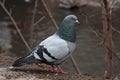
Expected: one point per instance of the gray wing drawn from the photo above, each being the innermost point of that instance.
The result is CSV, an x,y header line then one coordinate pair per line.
x,y
54,49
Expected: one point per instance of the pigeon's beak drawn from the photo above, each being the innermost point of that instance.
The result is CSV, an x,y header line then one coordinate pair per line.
x,y
77,22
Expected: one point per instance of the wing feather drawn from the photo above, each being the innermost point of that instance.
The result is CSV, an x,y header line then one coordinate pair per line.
x,y
56,46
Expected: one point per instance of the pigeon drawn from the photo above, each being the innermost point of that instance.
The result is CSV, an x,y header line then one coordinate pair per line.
x,y
55,49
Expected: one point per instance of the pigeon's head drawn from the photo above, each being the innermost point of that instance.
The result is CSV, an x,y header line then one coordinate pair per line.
x,y
67,29
71,19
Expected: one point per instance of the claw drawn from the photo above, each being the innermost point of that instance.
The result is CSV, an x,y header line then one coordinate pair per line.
x,y
58,69
55,69
62,71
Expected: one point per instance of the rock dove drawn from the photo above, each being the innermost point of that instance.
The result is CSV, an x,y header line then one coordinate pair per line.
x,y
56,48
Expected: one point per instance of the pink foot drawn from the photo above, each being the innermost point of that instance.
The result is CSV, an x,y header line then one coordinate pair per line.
x,y
62,71
55,69
58,70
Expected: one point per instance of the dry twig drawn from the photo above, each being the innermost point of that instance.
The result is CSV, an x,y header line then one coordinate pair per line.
x,y
33,20
37,22
34,12
87,18
108,42
115,30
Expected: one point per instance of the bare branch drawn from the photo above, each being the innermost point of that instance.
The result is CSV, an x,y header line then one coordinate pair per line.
x,y
111,4
108,42
75,64
97,14
87,18
115,30
95,32
34,12
37,22
49,13
32,23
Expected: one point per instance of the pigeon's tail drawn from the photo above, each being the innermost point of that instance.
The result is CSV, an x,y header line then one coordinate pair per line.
x,y
29,59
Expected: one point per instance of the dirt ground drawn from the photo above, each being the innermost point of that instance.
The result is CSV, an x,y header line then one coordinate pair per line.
x,y
35,72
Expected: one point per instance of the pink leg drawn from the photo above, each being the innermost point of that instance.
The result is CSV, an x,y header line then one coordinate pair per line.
x,y
58,69
55,69
61,70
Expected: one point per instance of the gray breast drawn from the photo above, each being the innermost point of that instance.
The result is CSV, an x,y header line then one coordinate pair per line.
x,y
71,47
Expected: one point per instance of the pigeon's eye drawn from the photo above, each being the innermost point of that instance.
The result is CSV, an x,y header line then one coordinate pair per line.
x,y
73,19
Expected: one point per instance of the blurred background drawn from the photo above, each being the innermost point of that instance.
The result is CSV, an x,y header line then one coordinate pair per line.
x,y
90,52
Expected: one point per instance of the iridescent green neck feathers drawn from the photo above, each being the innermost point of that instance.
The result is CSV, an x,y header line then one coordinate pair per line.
x,y
67,28
67,31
